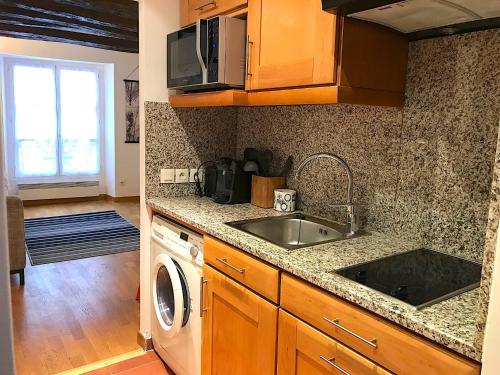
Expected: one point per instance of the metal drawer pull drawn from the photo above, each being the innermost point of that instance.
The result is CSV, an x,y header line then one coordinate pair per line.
x,y
205,5
225,262
331,363
202,294
335,322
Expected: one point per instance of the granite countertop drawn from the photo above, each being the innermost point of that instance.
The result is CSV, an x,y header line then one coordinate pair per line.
x,y
450,323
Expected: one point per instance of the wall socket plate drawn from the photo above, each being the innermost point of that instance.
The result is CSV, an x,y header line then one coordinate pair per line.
x,y
201,174
181,175
192,171
167,176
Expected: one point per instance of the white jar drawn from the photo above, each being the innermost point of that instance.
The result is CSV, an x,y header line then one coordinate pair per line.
x,y
284,200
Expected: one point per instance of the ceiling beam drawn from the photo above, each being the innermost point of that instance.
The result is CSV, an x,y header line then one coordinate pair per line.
x,y
83,39
22,20
110,24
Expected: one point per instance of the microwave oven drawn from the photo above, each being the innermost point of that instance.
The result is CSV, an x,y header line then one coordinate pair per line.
x,y
209,55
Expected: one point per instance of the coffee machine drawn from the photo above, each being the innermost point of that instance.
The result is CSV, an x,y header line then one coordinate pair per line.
x,y
227,182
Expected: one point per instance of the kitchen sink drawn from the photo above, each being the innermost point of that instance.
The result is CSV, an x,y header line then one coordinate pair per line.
x,y
294,231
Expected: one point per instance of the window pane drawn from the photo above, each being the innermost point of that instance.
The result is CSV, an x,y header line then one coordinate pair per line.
x,y
35,121
79,121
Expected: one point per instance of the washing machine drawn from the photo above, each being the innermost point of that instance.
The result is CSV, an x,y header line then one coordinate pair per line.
x,y
176,277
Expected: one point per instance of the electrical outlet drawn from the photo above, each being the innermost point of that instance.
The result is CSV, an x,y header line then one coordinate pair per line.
x,y
181,175
192,171
167,176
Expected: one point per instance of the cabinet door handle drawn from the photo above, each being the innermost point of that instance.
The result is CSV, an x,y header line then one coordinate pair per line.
x,y
335,322
248,55
202,294
205,5
331,363
225,262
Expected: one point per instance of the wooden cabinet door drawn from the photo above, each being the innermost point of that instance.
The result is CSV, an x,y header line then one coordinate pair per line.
x,y
303,350
290,44
239,328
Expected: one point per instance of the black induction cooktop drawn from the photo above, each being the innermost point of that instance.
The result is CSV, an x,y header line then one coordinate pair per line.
x,y
419,277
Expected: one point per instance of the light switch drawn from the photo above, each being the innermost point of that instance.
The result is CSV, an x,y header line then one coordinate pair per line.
x,y
181,175
167,176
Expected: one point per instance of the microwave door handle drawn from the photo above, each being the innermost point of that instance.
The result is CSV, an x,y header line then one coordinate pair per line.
x,y
198,52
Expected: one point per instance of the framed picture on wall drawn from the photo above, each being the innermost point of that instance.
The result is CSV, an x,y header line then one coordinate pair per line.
x,y
131,111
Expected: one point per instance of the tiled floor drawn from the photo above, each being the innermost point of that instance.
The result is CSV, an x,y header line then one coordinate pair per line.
x,y
147,364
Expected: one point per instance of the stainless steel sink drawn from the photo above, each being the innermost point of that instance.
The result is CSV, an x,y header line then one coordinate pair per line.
x,y
294,231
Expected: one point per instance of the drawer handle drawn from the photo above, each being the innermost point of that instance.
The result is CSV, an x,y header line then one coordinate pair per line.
x,y
335,322
331,363
225,262
205,5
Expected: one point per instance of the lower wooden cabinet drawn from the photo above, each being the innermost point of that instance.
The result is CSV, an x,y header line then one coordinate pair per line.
x,y
381,341
303,350
239,328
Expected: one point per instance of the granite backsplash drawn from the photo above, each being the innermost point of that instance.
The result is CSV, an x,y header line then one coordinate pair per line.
x,y
183,138
423,172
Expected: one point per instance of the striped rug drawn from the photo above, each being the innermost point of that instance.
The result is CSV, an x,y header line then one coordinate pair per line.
x,y
69,237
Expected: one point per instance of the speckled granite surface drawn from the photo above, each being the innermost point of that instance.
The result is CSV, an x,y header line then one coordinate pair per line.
x,y
450,323
448,142
183,138
422,172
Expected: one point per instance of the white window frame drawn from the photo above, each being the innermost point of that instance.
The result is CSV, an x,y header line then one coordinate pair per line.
x,y
12,155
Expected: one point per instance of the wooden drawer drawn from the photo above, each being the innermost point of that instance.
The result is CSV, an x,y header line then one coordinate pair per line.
x,y
303,350
249,271
191,10
393,347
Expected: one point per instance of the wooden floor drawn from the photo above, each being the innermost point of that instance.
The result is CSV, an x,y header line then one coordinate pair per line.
x,y
146,364
73,313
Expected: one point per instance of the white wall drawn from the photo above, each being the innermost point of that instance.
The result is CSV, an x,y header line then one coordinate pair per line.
x,y
157,18
122,164
6,350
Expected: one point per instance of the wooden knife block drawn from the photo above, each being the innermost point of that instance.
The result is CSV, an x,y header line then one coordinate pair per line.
x,y
263,190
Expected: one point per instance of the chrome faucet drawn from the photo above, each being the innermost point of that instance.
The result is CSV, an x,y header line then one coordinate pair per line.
x,y
352,224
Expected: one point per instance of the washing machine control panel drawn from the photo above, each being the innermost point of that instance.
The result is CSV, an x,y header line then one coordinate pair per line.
x,y
182,241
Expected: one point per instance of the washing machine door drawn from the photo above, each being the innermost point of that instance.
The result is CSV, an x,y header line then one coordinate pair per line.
x,y
170,295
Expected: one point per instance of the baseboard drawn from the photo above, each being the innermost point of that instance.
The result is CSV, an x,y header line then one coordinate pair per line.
x,y
40,202
134,198
145,343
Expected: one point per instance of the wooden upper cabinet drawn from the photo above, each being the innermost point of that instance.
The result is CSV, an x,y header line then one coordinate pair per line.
x,y
191,10
290,44
239,328
303,350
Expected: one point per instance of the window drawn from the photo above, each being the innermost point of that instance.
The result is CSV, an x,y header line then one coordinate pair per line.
x,y
54,119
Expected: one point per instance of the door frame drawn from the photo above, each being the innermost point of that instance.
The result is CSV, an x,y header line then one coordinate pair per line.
x,y
6,335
